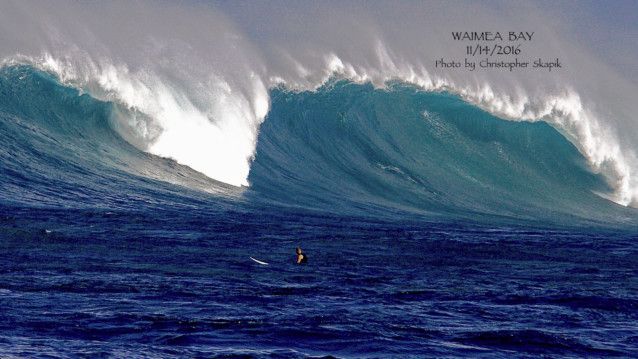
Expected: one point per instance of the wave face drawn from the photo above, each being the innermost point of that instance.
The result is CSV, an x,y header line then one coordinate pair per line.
x,y
354,146
346,148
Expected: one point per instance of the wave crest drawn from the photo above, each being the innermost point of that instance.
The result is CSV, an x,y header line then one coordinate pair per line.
x,y
214,133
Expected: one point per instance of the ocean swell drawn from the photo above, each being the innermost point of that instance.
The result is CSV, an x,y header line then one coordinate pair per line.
x,y
188,85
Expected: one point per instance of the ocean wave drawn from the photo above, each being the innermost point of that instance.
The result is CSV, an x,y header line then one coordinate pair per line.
x,y
346,147
356,146
192,86
201,101
563,109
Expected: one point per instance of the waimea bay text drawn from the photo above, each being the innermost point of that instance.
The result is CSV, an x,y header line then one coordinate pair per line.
x,y
492,36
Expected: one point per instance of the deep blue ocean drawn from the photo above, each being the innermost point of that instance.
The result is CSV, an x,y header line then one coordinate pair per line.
x,y
432,228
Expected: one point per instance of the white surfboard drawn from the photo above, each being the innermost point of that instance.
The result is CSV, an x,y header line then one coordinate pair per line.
x,y
258,261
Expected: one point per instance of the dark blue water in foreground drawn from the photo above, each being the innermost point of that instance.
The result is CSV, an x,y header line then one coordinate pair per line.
x,y
433,229
168,283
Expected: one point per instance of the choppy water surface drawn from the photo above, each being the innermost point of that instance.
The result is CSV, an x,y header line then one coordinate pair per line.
x,y
137,284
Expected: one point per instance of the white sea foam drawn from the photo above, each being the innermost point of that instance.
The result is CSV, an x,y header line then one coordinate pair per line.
x,y
216,136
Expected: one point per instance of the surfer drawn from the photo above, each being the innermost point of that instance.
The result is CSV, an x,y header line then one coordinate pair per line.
x,y
302,258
